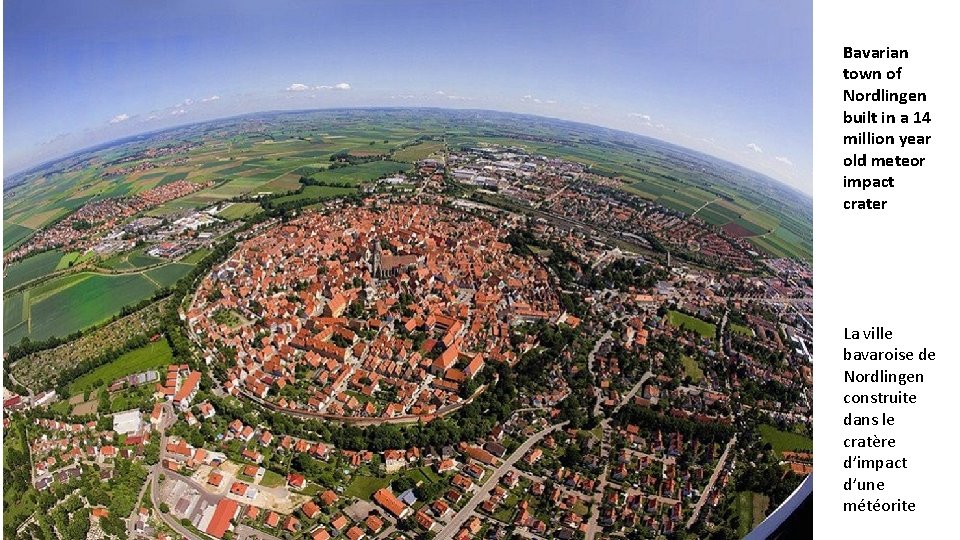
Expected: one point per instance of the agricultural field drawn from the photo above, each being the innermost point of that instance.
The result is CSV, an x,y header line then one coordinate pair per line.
x,y
705,329
31,268
317,193
412,154
152,356
784,441
69,303
13,234
137,258
168,274
40,369
241,210
364,172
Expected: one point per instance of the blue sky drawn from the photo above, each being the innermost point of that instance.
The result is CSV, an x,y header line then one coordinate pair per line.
x,y
732,79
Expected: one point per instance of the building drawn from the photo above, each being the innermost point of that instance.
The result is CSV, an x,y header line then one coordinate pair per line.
x,y
222,517
127,422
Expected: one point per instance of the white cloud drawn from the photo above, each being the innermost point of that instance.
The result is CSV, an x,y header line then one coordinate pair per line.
x,y
297,87
338,86
120,118
211,98
641,116
756,148
784,160
177,112
529,98
440,93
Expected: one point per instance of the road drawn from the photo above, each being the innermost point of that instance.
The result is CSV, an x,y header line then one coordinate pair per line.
x,y
713,480
484,491
169,417
593,371
633,391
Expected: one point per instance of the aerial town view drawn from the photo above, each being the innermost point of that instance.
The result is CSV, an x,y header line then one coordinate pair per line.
x,y
400,322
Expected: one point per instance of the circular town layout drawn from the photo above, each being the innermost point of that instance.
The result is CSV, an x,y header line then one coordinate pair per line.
x,y
369,313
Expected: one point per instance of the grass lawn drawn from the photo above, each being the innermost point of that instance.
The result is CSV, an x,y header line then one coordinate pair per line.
x,y
272,479
740,329
152,356
751,508
363,487
691,368
784,441
699,326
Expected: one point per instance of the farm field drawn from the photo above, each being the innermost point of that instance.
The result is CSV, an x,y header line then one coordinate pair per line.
x,y
364,172
242,210
168,274
412,154
39,369
699,326
152,356
317,193
130,260
13,234
30,268
66,304
783,441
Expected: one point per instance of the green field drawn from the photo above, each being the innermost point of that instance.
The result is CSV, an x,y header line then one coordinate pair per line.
x,y
363,487
68,260
168,274
705,329
741,329
784,441
750,510
412,154
31,268
86,303
691,368
131,260
13,233
317,193
196,256
66,304
364,172
241,210
152,356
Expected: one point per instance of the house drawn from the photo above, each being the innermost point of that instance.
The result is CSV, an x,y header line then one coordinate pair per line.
x,y
222,517
310,509
296,481
187,391
385,498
